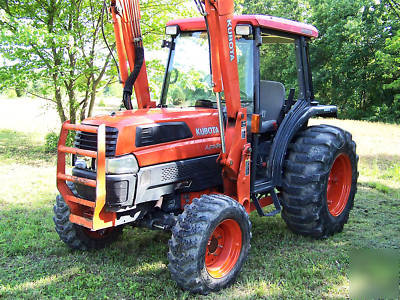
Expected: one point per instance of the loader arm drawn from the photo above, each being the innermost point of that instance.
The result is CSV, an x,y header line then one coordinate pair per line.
x,y
128,39
235,155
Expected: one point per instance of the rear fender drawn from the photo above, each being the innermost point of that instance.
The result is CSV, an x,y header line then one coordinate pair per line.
x,y
300,113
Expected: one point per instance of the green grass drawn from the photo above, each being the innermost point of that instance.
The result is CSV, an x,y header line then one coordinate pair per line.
x,y
34,263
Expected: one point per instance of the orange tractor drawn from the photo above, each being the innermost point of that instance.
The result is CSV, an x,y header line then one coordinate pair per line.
x,y
220,143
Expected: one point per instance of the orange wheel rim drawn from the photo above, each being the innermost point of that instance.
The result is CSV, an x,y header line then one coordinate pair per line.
x,y
223,248
339,185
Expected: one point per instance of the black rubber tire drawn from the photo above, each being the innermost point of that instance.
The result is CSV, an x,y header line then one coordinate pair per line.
x,y
76,236
305,180
187,246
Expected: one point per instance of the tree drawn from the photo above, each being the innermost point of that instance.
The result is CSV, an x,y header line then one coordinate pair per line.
x,y
351,34
388,59
55,44
355,58
55,51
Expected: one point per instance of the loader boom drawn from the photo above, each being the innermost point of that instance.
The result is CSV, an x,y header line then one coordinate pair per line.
x,y
128,38
235,150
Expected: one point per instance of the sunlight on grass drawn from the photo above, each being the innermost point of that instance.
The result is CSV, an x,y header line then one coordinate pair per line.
x,y
150,267
26,185
373,139
38,284
338,291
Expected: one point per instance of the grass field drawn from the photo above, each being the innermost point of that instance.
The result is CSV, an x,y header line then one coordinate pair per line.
x,y
34,263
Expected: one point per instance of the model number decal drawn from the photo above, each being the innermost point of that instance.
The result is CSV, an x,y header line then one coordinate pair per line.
x,y
212,147
207,131
247,168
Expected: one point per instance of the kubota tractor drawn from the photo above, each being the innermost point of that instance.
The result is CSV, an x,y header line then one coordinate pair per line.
x,y
220,143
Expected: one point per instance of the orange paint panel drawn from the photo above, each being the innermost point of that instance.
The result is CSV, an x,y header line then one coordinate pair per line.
x,y
196,118
81,221
121,120
176,151
274,23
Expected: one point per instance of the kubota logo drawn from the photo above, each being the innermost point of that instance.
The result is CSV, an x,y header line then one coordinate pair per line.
x,y
207,130
230,39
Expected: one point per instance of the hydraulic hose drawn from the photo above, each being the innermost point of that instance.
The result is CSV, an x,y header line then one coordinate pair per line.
x,y
128,88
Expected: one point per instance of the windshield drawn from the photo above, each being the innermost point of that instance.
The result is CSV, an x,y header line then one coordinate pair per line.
x,y
189,81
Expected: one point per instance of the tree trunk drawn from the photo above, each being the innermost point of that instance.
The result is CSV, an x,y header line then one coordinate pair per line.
x,y
58,99
72,104
19,92
84,106
92,98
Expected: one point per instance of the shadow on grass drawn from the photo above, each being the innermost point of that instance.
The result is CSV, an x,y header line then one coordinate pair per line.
x,y
21,147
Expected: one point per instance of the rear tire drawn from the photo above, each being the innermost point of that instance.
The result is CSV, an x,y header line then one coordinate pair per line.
x,y
79,237
209,244
320,181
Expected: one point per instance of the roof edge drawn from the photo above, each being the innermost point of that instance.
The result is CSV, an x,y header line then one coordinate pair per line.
x,y
263,21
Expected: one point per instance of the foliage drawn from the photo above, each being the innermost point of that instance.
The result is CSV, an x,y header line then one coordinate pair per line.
x,y
51,141
355,60
54,49
56,46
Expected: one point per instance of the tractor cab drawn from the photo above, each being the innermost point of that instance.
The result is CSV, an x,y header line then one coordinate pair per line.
x,y
188,80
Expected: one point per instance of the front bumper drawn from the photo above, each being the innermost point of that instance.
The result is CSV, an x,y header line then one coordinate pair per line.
x,y
90,214
120,189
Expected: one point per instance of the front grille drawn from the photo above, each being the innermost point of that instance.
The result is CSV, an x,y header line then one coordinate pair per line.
x,y
88,140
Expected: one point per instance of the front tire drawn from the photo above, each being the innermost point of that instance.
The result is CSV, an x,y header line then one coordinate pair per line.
x,y
79,237
320,181
209,244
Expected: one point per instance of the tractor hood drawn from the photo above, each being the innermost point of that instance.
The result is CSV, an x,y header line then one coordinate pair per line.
x,y
160,135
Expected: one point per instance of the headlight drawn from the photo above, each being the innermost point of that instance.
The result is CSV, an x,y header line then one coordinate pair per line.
x,y
243,30
171,30
122,165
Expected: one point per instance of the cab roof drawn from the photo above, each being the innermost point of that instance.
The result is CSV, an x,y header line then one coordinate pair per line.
x,y
262,21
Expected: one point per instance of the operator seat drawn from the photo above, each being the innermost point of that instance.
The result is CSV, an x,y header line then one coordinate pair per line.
x,y
272,99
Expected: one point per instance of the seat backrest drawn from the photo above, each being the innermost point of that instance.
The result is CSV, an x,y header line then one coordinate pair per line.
x,y
272,99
